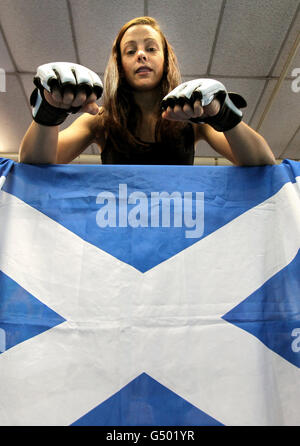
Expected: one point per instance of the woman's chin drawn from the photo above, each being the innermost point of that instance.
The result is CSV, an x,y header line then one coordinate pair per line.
x,y
145,86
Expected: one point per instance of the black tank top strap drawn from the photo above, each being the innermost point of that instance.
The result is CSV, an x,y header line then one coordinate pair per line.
x,y
180,152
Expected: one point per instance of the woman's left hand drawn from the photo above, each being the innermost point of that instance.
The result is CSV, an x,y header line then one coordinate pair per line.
x,y
185,112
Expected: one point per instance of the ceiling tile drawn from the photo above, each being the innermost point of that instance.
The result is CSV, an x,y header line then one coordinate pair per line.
x,y
37,32
96,24
190,27
282,120
292,151
5,60
288,46
251,35
14,115
253,39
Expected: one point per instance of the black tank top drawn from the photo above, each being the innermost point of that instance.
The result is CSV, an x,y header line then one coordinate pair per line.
x,y
181,153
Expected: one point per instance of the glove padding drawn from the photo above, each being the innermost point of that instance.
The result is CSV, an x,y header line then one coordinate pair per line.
x,y
61,75
206,90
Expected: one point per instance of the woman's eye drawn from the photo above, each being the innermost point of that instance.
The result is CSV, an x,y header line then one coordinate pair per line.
x,y
132,51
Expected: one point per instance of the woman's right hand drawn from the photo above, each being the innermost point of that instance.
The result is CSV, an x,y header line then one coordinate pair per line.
x,y
64,88
87,103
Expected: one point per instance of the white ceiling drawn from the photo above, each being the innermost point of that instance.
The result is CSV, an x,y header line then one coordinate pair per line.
x,y
245,44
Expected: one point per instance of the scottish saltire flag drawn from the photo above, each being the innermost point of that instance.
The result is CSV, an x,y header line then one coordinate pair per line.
x,y
149,295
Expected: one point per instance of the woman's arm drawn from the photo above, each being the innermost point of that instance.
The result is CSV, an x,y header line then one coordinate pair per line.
x,y
225,131
46,145
62,87
39,144
241,145
76,138
248,147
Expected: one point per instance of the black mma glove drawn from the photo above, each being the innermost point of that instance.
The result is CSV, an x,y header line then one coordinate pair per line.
x,y
206,90
61,75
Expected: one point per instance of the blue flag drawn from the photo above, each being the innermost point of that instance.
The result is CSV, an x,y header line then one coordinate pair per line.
x,y
149,295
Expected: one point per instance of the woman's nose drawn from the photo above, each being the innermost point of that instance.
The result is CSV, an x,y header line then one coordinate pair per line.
x,y
141,55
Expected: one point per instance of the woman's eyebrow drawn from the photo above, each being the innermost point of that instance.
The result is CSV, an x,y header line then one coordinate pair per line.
x,y
133,42
150,39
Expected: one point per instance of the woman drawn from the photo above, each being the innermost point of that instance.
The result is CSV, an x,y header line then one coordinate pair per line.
x,y
130,127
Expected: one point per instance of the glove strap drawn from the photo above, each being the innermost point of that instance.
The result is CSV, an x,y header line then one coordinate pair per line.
x,y
229,115
43,113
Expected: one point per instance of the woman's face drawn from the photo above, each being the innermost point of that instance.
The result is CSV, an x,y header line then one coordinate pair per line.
x,y
142,57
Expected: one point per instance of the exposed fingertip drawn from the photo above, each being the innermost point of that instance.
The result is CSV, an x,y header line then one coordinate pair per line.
x,y
92,110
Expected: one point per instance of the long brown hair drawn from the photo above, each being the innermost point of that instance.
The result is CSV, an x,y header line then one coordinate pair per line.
x,y
120,114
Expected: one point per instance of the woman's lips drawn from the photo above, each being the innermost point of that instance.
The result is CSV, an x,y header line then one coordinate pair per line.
x,y
143,70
